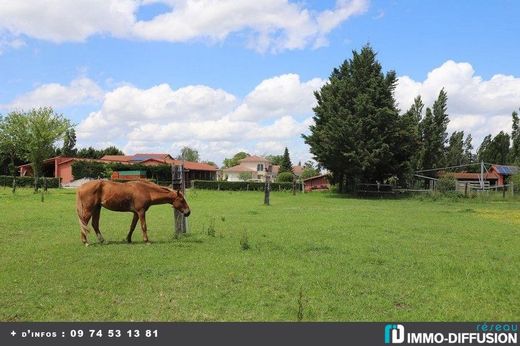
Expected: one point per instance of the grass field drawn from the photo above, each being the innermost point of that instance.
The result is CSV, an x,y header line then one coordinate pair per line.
x,y
351,259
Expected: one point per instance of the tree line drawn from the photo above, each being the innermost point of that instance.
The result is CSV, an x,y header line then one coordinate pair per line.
x,y
360,136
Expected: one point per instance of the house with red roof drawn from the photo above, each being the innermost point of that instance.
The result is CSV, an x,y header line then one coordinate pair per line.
x,y
58,167
61,166
255,167
192,170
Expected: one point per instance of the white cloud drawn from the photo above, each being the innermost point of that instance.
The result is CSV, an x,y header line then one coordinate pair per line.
x,y
272,25
163,119
279,96
79,91
475,105
61,21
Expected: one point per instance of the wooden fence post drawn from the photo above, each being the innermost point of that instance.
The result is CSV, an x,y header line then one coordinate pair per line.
x,y
267,186
178,183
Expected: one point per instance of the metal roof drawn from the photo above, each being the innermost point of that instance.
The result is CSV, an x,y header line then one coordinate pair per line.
x,y
506,170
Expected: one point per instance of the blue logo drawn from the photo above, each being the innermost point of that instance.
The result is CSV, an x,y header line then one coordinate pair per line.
x,y
394,334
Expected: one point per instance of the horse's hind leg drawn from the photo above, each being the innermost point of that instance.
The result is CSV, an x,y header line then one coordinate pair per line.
x,y
84,219
95,223
132,228
143,225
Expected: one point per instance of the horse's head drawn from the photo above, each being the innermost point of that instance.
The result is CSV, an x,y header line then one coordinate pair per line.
x,y
180,203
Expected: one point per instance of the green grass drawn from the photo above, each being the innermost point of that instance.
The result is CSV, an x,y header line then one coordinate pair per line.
x,y
351,259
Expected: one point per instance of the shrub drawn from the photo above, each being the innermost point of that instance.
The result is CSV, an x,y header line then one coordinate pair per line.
x,y
90,169
515,179
284,177
446,183
308,173
240,185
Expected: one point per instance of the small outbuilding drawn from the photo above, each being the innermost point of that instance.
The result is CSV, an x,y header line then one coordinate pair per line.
x,y
318,182
504,173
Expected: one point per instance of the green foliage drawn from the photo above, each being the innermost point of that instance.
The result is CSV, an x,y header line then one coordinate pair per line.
x,y
434,133
515,179
358,134
245,176
515,139
411,127
189,154
240,185
90,169
455,151
13,137
446,183
285,177
495,150
286,164
275,159
93,169
7,181
92,153
69,143
308,173
234,160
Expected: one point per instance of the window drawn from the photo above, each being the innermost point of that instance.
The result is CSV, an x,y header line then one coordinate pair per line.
x,y
260,167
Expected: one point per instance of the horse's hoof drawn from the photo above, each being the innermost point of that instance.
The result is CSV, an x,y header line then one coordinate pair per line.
x,y
148,242
87,244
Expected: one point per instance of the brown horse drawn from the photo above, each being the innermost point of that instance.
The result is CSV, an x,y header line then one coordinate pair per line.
x,y
134,196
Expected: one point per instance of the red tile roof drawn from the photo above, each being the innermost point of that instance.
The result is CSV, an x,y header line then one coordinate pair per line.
x,y
239,169
298,170
117,158
164,158
474,176
254,158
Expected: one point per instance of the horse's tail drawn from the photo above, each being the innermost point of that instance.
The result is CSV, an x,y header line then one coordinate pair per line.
x,y
79,208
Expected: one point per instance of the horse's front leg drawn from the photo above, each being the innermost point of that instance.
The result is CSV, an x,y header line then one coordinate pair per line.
x,y
132,228
142,218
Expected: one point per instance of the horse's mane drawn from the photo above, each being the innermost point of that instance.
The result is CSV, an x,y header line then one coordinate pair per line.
x,y
155,186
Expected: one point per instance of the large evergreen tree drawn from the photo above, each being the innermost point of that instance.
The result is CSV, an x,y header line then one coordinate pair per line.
x,y
468,150
69,143
435,137
357,133
455,150
286,164
412,128
515,139
495,150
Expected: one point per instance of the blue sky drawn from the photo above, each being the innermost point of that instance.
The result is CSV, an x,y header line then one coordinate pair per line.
x,y
232,75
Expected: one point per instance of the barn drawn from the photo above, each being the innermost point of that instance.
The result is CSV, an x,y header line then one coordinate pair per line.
x,y
504,173
318,182
58,167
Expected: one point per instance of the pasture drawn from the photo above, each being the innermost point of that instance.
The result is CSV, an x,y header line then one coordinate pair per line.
x,y
316,256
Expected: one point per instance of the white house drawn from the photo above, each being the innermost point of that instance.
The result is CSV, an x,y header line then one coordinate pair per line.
x,y
255,166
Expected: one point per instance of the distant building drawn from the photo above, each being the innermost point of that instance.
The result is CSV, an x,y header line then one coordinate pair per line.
x,y
473,179
504,173
192,170
318,182
61,166
255,167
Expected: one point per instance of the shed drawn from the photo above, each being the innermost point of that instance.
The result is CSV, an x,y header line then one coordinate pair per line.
x,y
318,182
128,175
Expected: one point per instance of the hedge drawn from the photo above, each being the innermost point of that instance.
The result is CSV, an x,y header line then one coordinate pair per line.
x,y
7,180
240,185
93,169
